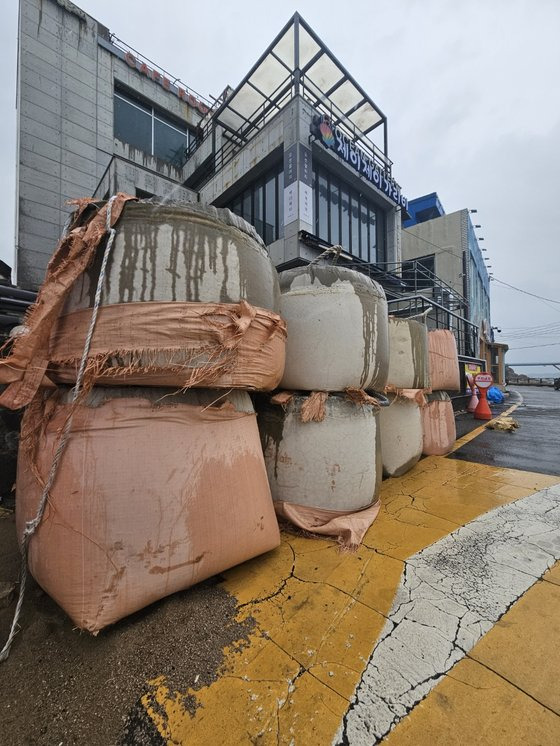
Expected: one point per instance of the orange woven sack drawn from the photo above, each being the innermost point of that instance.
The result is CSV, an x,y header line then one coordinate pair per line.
x,y
154,492
443,361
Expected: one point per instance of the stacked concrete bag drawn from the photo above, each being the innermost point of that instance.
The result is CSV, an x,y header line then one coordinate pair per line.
x,y
337,322
438,420
190,298
320,437
438,424
443,361
408,361
408,379
401,432
156,489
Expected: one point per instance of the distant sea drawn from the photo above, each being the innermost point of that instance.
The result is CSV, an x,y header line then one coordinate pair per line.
x,y
546,372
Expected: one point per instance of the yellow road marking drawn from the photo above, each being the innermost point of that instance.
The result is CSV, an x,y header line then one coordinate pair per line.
x,y
318,613
506,690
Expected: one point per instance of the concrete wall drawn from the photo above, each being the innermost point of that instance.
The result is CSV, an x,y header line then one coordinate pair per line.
x,y
443,237
58,156
451,237
65,125
245,161
122,175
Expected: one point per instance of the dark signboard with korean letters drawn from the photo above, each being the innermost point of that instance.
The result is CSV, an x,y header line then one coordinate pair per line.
x,y
334,139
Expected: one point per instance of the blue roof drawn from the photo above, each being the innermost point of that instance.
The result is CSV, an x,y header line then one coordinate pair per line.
x,y
424,208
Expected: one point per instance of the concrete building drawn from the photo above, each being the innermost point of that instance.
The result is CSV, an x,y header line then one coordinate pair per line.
x,y
297,148
445,246
78,92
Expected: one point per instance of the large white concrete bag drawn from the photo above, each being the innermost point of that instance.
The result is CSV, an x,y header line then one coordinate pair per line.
x,y
181,252
323,460
155,492
400,427
337,329
408,359
438,424
189,299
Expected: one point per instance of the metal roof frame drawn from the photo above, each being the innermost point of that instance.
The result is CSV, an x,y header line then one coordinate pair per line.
x,y
297,62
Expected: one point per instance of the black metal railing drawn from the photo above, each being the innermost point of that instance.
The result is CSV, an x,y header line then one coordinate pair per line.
x,y
439,316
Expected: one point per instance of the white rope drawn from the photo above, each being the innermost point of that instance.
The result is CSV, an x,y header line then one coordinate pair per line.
x,y
31,526
333,250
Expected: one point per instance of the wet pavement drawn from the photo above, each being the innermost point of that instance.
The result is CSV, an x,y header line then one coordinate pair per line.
x,y
535,446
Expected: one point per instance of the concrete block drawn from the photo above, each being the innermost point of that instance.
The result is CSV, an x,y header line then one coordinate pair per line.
x,y
36,66
85,105
35,245
105,102
41,147
83,87
42,228
105,130
39,163
79,65
105,86
85,135
83,39
35,8
39,179
82,52
105,144
69,191
50,55
34,128
39,194
39,24
44,100
105,116
84,184
32,111
38,211
73,145
75,59
77,80
28,277
103,160
104,62
72,115
78,162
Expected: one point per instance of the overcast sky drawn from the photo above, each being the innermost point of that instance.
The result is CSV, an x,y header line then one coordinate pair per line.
x,y
470,90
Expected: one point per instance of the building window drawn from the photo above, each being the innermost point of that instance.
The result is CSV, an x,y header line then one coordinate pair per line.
x,y
346,217
262,205
145,128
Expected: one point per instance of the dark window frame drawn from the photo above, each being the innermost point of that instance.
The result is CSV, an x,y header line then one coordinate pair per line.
x,y
162,117
274,175
350,239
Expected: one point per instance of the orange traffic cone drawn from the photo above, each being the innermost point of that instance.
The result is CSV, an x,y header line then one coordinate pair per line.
x,y
482,411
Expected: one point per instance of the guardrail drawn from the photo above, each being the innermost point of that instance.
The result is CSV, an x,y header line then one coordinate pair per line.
x,y
526,381
466,333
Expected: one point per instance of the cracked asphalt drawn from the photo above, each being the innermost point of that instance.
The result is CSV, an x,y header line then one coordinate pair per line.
x,y
394,642
452,593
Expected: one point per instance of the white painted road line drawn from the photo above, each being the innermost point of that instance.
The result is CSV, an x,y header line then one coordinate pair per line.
x,y
451,594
